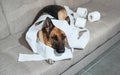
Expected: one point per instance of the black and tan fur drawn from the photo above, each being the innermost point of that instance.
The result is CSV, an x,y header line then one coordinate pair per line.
x,y
51,35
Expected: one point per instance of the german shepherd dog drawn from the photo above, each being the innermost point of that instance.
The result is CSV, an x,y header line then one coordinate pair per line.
x,y
51,35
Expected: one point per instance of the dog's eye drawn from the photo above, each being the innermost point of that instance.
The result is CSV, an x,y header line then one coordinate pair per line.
x,y
63,36
55,38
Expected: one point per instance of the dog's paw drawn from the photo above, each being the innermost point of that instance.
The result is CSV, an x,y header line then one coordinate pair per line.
x,y
50,61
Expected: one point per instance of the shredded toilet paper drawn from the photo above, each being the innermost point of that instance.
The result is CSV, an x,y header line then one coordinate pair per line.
x,y
77,35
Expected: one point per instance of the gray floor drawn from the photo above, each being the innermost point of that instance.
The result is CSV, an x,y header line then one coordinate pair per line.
x,y
106,64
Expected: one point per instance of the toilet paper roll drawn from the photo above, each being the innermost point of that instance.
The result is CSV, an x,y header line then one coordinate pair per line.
x,y
82,12
80,22
94,16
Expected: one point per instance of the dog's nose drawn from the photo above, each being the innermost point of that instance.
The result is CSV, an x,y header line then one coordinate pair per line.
x,y
61,51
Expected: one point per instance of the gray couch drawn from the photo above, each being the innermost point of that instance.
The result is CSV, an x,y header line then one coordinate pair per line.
x,y
17,15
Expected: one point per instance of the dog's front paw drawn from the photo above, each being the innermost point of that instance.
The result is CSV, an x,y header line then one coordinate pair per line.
x,y
50,61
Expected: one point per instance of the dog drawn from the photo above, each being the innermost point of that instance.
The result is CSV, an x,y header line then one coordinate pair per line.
x,y
49,34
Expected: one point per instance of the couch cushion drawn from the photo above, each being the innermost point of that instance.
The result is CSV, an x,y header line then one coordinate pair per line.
x,y
8,43
100,31
9,52
21,13
10,65
4,30
115,4
110,17
73,4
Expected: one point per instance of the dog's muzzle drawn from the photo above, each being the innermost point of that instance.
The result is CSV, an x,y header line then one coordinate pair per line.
x,y
60,49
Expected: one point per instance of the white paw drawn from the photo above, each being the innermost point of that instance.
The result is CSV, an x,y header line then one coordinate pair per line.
x,y
50,61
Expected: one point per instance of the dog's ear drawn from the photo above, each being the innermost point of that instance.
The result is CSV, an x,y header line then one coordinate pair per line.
x,y
48,25
68,19
38,23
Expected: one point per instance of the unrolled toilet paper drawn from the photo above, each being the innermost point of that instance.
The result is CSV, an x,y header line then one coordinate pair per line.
x,y
94,16
82,12
75,40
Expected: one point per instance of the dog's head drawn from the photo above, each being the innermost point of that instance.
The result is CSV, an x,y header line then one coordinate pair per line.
x,y
53,36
